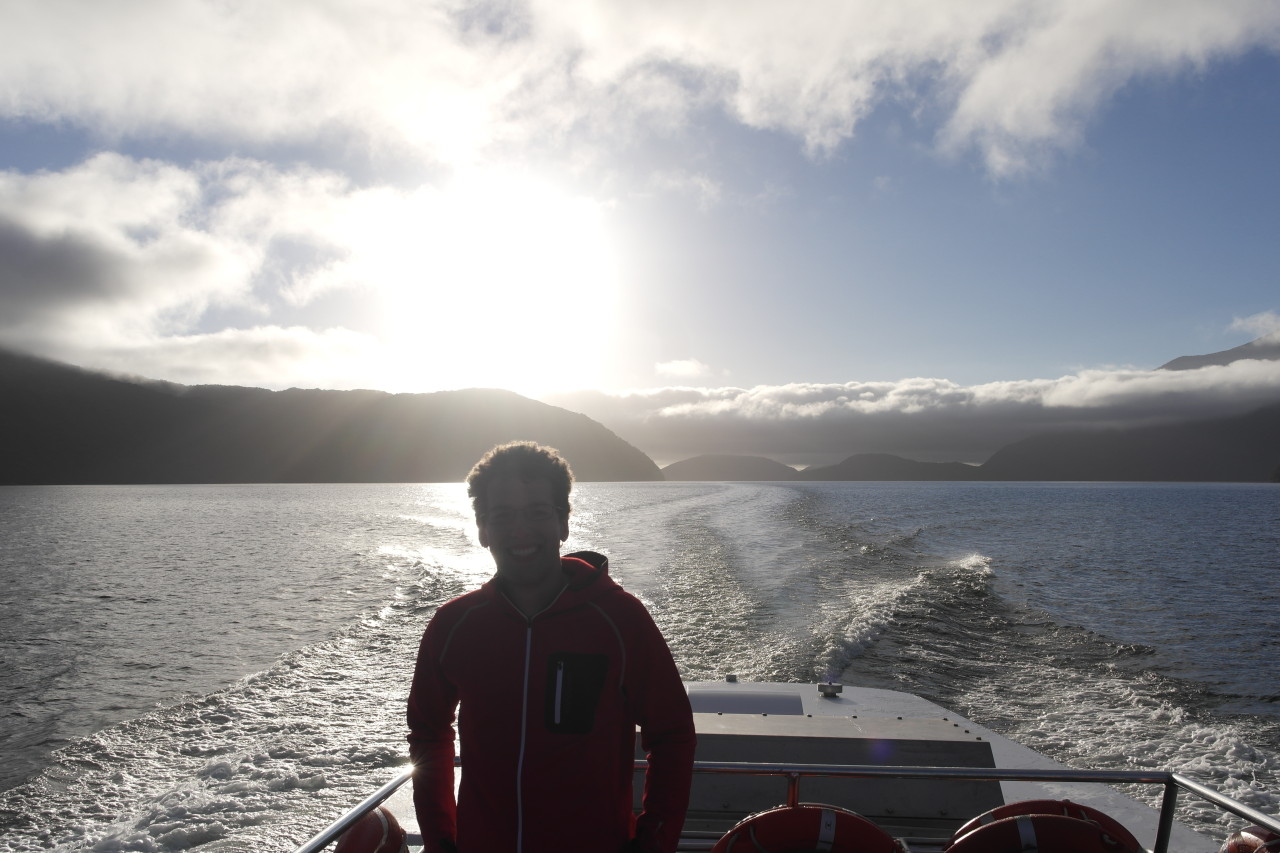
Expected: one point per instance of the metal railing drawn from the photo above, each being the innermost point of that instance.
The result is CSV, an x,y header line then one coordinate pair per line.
x,y
331,832
1171,782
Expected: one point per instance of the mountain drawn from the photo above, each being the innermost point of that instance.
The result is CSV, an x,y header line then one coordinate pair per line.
x,y
60,424
1265,348
882,466
1245,448
728,467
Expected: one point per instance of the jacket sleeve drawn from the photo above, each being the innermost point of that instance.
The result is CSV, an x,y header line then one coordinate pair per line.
x,y
661,707
432,703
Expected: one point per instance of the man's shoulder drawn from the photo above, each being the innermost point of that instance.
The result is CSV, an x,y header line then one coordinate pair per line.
x,y
458,608
622,604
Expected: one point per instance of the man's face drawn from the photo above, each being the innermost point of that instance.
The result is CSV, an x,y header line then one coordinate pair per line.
x,y
523,530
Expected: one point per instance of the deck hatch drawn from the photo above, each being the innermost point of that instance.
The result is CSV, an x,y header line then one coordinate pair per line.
x,y
917,807
745,702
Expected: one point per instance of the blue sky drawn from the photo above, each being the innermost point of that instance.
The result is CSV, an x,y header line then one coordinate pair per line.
x,y
888,225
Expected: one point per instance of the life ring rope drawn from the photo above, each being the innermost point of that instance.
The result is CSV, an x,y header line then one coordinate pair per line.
x,y
807,826
1251,839
1112,833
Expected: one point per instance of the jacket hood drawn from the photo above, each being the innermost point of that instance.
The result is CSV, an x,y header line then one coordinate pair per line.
x,y
589,580
587,573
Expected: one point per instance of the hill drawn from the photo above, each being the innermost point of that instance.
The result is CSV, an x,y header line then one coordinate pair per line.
x,y
1264,348
1245,448
729,467
882,466
60,424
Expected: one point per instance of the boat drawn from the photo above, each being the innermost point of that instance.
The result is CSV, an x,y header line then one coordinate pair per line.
x,y
831,760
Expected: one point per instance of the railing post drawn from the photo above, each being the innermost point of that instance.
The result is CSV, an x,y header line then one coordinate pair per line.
x,y
1164,829
793,789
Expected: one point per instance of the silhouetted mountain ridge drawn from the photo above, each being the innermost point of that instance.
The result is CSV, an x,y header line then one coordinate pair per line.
x,y
1243,448
1266,348
61,424
724,467
883,466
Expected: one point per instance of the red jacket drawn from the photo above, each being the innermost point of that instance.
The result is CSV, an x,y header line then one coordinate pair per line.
x,y
547,724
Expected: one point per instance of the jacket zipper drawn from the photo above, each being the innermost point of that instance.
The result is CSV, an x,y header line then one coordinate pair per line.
x,y
524,731
559,689
524,714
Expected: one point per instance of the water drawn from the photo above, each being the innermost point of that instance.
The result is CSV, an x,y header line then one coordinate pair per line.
x,y
223,668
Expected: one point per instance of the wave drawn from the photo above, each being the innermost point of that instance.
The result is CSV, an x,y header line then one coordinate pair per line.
x,y
258,765
1063,690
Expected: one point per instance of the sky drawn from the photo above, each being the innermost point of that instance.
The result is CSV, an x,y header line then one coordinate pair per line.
x,y
799,230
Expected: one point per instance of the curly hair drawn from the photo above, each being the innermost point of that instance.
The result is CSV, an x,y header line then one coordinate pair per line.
x,y
526,460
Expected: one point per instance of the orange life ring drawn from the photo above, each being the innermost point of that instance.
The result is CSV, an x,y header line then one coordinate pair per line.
x,y
1250,839
377,832
804,828
1037,833
1066,808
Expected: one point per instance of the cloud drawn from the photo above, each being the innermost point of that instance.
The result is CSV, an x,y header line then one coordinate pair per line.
x,y
1048,67
1015,80
926,419
689,368
400,73
1266,323
114,256
115,253
108,250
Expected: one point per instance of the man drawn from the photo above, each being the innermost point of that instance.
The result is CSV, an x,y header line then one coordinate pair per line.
x,y
554,666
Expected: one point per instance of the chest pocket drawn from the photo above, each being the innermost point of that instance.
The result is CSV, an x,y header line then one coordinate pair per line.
x,y
574,684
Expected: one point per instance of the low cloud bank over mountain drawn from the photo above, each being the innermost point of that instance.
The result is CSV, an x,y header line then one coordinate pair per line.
x,y
926,419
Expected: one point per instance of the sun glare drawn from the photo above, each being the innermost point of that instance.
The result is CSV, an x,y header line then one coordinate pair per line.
x,y
497,281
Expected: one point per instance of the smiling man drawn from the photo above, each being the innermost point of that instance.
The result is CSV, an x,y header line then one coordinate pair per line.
x,y
554,667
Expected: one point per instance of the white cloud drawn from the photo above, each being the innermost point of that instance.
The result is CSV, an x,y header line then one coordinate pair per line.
x,y
1263,324
286,70
108,250
689,368
1015,79
1048,66
114,253
113,256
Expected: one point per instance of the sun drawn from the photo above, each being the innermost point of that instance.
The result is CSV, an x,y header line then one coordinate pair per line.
x,y
497,280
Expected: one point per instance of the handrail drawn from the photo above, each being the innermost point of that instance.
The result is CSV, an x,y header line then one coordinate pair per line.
x,y
1222,801
330,833
794,772
982,773
1171,782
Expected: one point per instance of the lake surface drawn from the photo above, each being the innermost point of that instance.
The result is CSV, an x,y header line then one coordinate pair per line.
x,y
223,668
